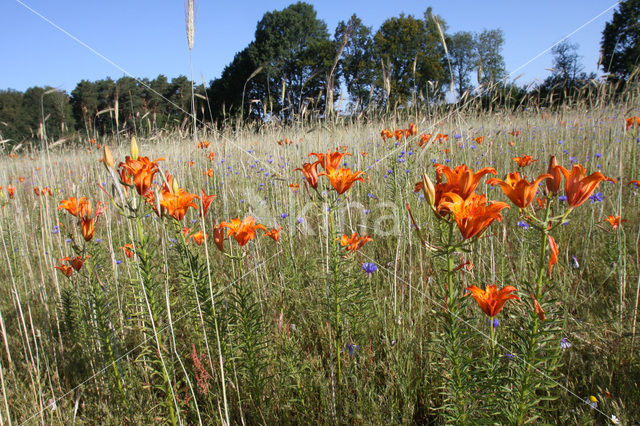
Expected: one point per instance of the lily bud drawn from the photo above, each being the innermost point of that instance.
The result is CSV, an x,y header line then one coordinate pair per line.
x,y
107,158
553,184
429,190
134,148
174,186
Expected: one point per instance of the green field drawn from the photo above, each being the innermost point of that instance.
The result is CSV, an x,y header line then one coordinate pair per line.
x,y
296,331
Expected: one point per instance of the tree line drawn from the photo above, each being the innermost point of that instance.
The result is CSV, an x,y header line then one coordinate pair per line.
x,y
295,68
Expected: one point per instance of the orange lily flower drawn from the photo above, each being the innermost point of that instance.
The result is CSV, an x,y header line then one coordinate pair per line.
x,y
203,145
274,234
441,137
554,254
199,237
614,221
354,242
515,133
342,179
398,134
439,190
87,222
242,230
386,134
71,205
330,160
294,187
472,215
553,184
631,121
218,236
492,300
65,269
76,262
541,202
413,130
128,250
310,172
479,140
424,139
206,202
462,178
11,191
363,153
524,161
520,192
189,163
208,173
579,188
211,156
635,182
81,209
142,170
177,204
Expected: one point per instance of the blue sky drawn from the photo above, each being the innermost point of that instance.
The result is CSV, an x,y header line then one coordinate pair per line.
x,y
147,38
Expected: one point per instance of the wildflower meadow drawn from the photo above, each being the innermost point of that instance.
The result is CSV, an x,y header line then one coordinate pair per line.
x,y
448,266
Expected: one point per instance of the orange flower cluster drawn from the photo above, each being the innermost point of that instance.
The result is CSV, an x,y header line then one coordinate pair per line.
x,y
203,145
340,178
399,133
40,191
285,141
141,171
515,133
578,188
74,263
517,189
470,211
461,181
11,191
81,208
631,122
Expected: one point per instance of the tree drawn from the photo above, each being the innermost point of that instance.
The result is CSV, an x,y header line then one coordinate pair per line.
x,y
462,53
358,64
293,50
408,58
620,45
568,72
566,61
12,124
84,103
491,66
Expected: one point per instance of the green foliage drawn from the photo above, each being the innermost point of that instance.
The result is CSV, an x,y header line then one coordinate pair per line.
x,y
620,44
408,55
463,56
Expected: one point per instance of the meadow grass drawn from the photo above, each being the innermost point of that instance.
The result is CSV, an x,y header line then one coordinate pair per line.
x,y
294,331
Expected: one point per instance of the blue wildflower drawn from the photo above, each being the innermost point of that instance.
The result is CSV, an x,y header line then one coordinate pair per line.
x,y
596,198
369,267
